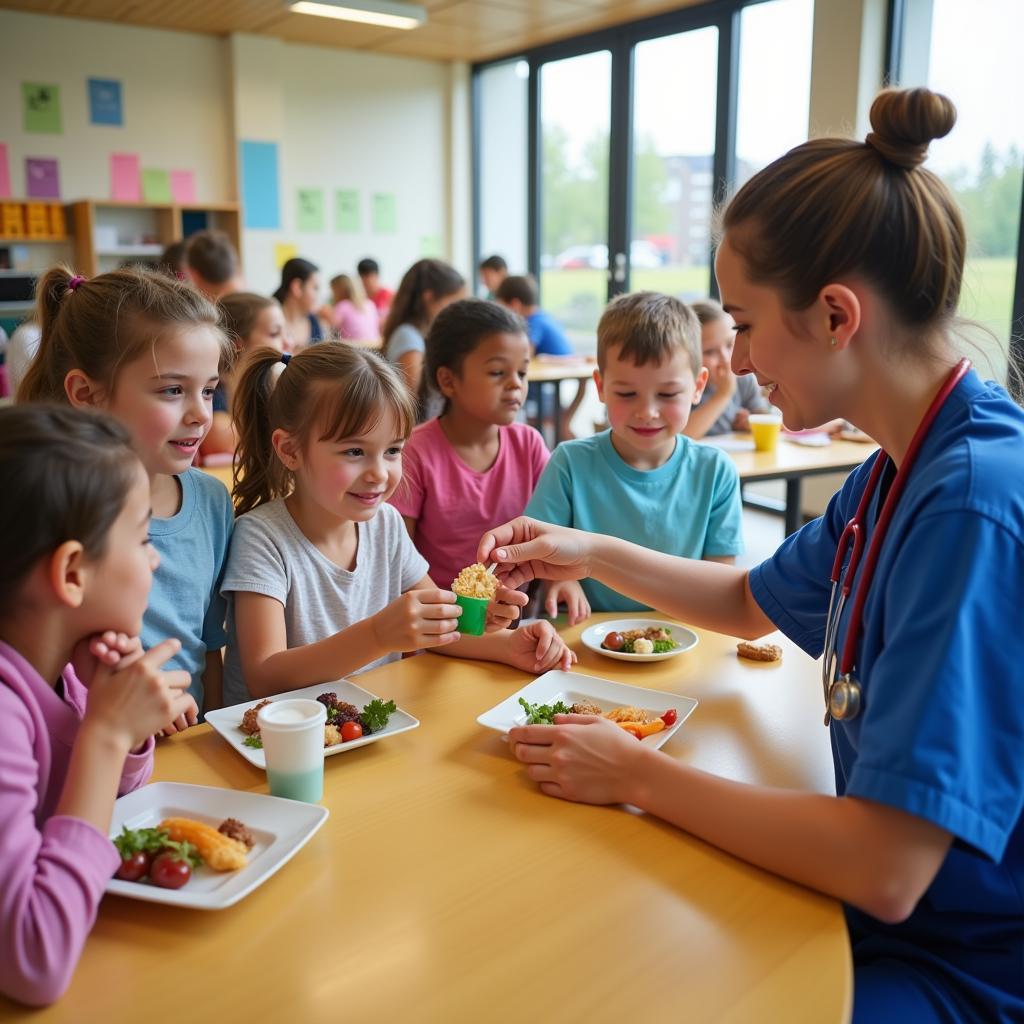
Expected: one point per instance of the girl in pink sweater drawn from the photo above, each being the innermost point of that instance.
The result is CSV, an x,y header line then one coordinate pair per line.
x,y
79,700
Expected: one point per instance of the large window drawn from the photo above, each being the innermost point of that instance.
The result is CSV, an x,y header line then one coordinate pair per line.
x,y
971,52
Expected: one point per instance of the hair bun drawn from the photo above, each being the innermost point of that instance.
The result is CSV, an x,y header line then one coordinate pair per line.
x,y
905,121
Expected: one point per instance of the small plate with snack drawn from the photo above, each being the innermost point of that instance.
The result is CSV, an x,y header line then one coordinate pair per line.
x,y
355,717
639,639
202,847
653,716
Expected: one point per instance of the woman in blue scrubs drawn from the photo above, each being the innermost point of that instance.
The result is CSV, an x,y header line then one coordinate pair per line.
x,y
841,264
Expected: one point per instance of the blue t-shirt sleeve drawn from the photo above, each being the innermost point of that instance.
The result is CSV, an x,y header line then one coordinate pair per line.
x,y
221,513
725,522
552,499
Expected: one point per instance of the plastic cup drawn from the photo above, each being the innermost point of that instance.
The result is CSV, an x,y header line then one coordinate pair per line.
x,y
766,429
293,742
473,619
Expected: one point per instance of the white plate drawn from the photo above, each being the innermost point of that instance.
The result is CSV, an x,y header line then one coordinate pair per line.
x,y
592,636
570,687
227,721
280,829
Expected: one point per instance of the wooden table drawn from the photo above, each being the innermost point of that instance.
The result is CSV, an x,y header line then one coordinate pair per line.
x,y
550,373
791,462
444,887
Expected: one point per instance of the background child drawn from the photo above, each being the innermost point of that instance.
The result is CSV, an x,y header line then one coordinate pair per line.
x,y
250,321
212,264
642,480
323,579
79,702
728,400
148,350
520,294
354,316
299,295
465,470
493,271
369,274
427,287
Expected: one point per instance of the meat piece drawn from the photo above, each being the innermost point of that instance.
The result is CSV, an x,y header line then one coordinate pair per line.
x,y
249,725
234,829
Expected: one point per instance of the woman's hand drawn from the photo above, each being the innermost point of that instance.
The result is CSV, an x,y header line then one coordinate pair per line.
x,y
569,593
581,757
133,700
418,619
537,648
527,549
505,608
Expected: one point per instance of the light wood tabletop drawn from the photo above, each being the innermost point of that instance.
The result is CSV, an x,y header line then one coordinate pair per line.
x,y
544,371
445,887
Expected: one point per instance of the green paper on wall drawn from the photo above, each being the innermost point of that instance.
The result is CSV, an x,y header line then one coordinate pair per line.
x,y
430,246
41,107
384,214
346,210
311,209
156,186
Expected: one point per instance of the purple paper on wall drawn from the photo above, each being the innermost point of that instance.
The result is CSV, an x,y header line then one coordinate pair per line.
x,y
42,178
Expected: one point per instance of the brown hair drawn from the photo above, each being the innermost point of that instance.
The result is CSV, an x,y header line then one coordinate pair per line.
x,y
835,207
708,311
408,307
212,256
239,312
107,321
352,292
522,287
648,327
333,387
65,475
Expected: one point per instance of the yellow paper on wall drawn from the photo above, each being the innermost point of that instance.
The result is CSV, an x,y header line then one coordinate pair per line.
x,y
283,252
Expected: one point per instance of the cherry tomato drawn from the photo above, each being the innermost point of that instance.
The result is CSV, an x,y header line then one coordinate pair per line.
x,y
613,641
351,731
134,867
169,871
669,718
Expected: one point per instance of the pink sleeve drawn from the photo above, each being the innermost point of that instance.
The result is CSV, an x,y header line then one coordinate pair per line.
x,y
410,493
137,768
539,456
51,879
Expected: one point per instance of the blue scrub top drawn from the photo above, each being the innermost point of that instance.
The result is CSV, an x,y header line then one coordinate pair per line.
x,y
941,668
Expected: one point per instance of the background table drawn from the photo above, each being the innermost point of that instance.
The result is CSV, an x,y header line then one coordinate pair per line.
x,y
550,373
445,887
791,462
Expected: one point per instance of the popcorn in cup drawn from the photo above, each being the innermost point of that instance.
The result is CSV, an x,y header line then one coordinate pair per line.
x,y
474,588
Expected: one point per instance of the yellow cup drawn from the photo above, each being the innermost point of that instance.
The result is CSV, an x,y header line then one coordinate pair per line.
x,y
766,429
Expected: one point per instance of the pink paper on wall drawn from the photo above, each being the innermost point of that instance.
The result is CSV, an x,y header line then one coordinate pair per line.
x,y
183,186
5,173
125,179
42,178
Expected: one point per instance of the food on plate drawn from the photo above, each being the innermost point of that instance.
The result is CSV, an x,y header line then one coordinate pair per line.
x,y
476,581
345,722
234,829
637,721
219,851
652,640
759,651
137,848
171,869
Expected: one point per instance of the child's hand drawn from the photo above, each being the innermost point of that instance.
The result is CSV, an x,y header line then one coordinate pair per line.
x,y
569,593
135,700
418,619
184,720
537,648
741,421
107,648
721,377
504,609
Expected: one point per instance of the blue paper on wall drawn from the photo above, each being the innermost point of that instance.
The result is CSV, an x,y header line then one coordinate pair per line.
x,y
105,101
260,185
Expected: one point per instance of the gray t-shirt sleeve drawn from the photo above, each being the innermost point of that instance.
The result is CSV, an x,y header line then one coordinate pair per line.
x,y
412,565
256,562
404,338
750,395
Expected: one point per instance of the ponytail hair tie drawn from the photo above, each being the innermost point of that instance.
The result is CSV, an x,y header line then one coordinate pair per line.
x,y
75,282
286,358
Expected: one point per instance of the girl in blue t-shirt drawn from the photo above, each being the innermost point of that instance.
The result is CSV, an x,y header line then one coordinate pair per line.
x,y
148,350
841,264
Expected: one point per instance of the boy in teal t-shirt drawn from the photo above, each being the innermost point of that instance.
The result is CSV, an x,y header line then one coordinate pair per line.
x,y
642,480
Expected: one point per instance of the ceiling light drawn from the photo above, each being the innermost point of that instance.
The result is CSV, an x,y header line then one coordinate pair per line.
x,y
386,13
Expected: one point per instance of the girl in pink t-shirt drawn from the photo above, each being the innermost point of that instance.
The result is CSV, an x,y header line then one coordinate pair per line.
x,y
79,701
473,464
354,316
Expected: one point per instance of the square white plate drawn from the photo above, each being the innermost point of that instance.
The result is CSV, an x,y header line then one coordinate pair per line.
x,y
593,636
227,721
570,687
280,829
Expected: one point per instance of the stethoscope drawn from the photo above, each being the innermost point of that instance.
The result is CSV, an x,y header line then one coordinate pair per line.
x,y
842,691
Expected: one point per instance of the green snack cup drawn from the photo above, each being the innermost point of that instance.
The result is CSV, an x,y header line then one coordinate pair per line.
x,y
474,615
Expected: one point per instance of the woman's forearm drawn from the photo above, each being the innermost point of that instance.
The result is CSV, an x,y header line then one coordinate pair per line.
x,y
706,594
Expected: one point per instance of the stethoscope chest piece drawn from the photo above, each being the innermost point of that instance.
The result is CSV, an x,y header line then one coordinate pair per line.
x,y
843,700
